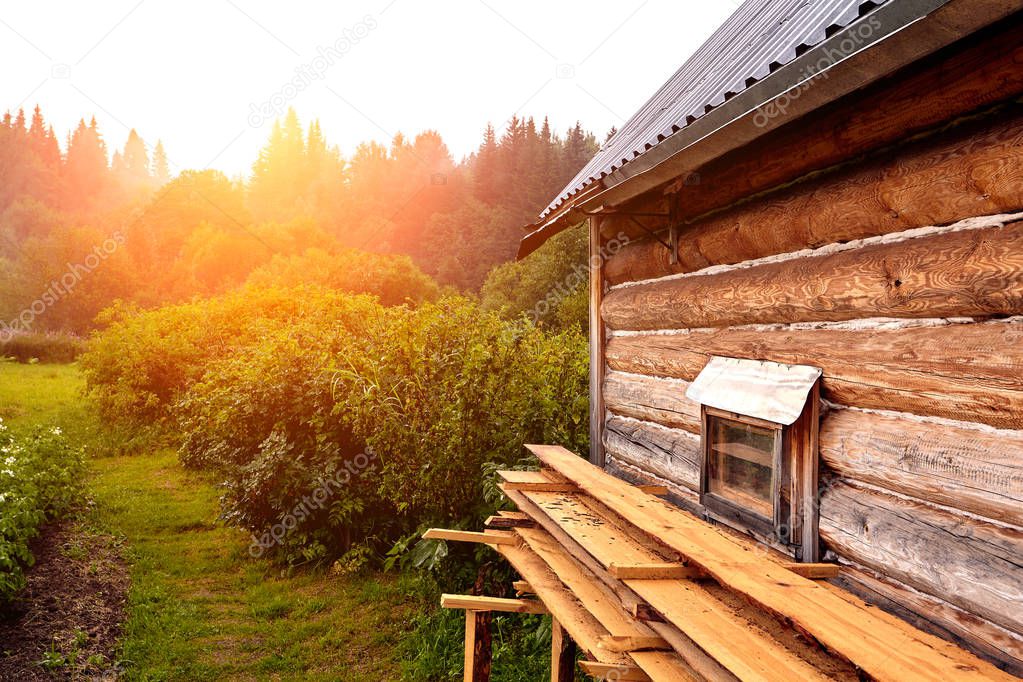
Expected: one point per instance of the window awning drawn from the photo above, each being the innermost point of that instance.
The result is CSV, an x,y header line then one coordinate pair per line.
x,y
755,388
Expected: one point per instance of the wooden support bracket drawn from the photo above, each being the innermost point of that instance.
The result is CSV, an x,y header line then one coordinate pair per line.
x,y
562,654
492,537
522,587
474,603
478,646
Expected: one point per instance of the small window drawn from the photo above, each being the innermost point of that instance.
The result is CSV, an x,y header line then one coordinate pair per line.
x,y
742,463
759,465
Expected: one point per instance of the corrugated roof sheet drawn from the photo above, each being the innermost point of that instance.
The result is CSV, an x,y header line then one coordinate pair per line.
x,y
760,37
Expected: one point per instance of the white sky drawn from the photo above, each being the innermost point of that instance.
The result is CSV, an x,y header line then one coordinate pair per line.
x,y
189,71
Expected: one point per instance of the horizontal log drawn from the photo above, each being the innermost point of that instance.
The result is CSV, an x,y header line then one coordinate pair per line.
x,y
975,565
968,372
974,169
963,468
938,617
928,93
977,272
671,454
662,401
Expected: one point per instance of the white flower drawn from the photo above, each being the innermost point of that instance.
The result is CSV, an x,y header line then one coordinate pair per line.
x,y
3,497
56,431
9,461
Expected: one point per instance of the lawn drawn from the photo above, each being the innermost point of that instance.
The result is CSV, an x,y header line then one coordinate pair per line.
x,y
199,606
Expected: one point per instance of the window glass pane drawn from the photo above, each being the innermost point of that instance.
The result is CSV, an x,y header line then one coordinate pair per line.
x,y
740,464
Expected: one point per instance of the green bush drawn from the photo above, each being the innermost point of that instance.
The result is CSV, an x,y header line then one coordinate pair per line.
x,y
51,347
261,419
40,477
141,363
446,388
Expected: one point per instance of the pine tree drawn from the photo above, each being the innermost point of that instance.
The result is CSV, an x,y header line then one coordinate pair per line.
x,y
160,170
136,159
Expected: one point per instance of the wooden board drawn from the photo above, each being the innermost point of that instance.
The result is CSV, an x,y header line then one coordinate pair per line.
x,y
968,469
969,372
883,649
973,564
532,480
974,169
962,274
720,633
584,628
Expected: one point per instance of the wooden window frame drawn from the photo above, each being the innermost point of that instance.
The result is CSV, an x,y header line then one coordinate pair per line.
x,y
793,527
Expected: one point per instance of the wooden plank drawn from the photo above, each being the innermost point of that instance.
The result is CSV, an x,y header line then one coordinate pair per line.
x,y
879,647
654,571
621,644
964,468
478,646
476,603
502,522
646,613
584,628
491,537
815,571
533,480
974,169
597,338
593,595
607,671
523,587
662,666
670,454
562,654
961,371
652,489
723,635
971,563
971,273
662,401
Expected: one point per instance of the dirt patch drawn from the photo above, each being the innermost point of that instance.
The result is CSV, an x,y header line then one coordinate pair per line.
x,y
67,621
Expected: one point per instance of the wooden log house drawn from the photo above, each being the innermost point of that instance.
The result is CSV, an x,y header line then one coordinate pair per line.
x,y
812,345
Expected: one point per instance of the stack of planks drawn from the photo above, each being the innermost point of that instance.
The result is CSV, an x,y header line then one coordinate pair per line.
x,y
650,592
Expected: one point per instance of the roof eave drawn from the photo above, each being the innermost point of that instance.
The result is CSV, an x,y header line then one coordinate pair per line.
x,y
909,30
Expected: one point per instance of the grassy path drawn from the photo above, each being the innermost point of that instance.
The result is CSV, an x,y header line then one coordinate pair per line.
x,y
199,607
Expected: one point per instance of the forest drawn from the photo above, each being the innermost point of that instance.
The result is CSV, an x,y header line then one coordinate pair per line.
x,y
335,353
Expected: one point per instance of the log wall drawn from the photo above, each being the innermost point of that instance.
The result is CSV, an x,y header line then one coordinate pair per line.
x,y
918,331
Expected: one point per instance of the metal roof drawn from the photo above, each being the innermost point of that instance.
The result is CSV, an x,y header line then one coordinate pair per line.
x,y
759,38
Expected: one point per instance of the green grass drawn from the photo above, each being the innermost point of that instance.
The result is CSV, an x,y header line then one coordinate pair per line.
x,y
199,607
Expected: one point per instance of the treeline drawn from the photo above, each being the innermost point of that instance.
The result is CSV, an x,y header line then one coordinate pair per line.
x,y
78,232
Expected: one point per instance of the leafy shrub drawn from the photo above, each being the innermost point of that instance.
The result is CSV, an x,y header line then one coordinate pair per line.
x,y
52,347
445,388
141,364
548,288
294,474
39,479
